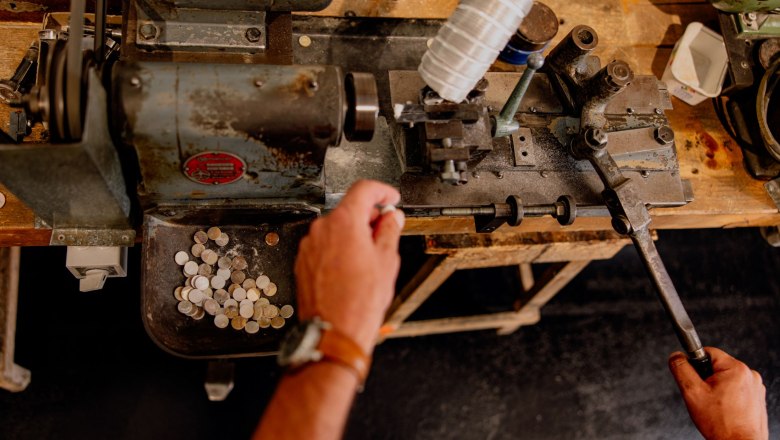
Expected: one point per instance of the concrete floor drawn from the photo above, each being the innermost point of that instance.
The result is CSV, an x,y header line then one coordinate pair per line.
x,y
593,368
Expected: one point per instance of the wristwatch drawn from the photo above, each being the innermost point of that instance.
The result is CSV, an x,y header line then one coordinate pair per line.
x,y
316,340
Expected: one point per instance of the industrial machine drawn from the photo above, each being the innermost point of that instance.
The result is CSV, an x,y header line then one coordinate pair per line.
x,y
751,32
245,116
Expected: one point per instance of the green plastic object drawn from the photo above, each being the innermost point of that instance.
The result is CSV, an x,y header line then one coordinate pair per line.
x,y
746,5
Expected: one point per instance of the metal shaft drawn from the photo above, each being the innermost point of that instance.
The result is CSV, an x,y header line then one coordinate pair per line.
x,y
505,123
667,293
535,62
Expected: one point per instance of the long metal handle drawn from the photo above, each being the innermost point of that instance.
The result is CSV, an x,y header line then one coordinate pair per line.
x,y
667,293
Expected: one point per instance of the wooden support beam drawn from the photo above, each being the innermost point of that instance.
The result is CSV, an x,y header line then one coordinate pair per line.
x,y
431,275
12,377
552,281
467,323
526,276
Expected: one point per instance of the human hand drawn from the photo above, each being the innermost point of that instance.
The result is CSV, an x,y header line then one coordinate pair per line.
x,y
347,266
730,404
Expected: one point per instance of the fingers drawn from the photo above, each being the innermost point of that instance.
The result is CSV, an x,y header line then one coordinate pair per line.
x,y
363,197
684,374
721,360
387,232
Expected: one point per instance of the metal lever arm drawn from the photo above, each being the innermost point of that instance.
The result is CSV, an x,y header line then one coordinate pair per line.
x,y
631,217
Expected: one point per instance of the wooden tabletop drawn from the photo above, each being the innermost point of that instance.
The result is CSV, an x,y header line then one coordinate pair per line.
x,y
641,32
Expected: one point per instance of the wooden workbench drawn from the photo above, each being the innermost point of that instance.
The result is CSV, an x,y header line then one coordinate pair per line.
x,y
642,32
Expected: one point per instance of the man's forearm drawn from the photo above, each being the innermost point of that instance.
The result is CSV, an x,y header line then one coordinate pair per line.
x,y
312,403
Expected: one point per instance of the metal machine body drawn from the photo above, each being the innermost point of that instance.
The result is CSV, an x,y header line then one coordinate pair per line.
x,y
205,133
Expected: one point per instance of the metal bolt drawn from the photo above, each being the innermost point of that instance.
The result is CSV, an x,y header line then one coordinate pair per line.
x,y
659,111
630,111
259,83
621,225
596,138
475,175
272,239
544,174
2,200
304,41
744,65
664,135
135,81
500,174
253,34
645,174
751,16
148,31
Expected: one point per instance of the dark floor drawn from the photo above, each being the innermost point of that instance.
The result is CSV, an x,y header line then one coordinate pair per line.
x,y
593,368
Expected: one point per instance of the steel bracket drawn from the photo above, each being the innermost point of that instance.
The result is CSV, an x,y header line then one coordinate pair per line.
x,y
92,237
199,30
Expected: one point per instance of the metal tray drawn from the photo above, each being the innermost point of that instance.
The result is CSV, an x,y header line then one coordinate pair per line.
x,y
170,229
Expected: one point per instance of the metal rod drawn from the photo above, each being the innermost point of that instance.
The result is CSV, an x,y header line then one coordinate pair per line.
x,y
100,31
505,123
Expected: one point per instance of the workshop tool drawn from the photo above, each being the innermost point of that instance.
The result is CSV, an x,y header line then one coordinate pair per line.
x,y
751,33
23,78
505,123
488,218
167,148
591,94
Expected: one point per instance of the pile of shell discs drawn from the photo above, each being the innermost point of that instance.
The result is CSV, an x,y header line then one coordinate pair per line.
x,y
231,296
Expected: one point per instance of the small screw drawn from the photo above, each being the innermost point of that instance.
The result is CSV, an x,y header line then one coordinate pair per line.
x,y
272,239
304,41
630,111
125,238
148,31
659,111
259,83
313,85
2,200
544,174
61,237
744,65
253,34
135,81
645,174
532,109
475,175
500,174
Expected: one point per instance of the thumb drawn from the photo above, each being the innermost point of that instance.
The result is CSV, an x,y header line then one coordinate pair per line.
x,y
387,231
684,374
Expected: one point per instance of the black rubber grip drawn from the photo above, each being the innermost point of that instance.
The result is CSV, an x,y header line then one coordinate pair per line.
x,y
702,366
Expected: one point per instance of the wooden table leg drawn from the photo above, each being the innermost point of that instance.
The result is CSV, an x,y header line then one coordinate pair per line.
x,y
526,277
552,282
431,275
12,377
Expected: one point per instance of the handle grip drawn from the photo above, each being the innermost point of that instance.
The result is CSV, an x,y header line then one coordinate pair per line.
x,y
703,366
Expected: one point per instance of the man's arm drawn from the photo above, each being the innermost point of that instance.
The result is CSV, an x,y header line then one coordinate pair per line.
x,y
730,404
345,274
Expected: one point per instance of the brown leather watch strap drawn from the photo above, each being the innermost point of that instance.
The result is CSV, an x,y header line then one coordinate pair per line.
x,y
336,346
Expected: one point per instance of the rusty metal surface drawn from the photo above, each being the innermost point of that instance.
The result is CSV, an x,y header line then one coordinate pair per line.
x,y
279,120
554,172
170,230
